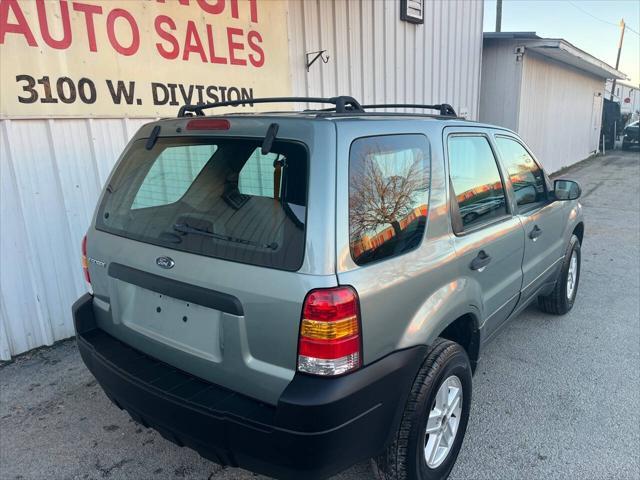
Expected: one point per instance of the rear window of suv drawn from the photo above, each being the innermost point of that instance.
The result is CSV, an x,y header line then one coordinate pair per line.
x,y
219,198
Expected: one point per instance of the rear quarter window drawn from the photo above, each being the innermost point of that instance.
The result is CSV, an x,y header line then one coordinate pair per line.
x,y
389,179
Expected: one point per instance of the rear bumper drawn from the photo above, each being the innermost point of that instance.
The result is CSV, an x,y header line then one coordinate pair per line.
x,y
319,427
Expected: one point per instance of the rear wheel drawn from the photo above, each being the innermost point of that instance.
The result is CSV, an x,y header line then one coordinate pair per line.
x,y
561,299
434,420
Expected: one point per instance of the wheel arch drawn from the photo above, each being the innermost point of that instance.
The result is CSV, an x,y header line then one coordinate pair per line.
x,y
465,331
578,231
454,312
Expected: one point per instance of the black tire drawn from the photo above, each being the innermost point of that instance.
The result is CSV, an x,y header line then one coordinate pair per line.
x,y
625,146
557,302
404,459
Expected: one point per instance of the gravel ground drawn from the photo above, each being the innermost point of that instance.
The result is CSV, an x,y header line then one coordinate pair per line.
x,y
553,397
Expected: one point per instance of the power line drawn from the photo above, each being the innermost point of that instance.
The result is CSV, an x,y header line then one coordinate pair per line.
x,y
600,19
631,29
591,15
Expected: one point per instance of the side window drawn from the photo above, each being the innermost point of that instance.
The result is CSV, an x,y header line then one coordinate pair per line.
x,y
526,177
256,176
476,181
389,179
171,175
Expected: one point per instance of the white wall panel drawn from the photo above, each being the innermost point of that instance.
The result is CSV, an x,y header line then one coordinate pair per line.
x,y
554,107
21,308
52,171
559,136
501,84
377,58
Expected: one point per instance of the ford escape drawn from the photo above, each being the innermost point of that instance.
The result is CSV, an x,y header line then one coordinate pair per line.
x,y
294,292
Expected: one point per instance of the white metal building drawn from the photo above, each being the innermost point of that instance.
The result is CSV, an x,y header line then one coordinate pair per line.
x,y
548,91
52,169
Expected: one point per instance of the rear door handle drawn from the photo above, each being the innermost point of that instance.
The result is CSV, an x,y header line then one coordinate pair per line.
x,y
535,233
480,262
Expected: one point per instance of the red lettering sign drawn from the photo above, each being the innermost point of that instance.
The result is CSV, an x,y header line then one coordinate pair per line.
x,y
191,40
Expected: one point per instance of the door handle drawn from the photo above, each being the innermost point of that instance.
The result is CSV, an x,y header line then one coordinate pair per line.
x,y
535,233
480,262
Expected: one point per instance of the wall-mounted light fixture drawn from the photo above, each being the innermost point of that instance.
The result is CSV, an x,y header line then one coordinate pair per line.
x,y
412,11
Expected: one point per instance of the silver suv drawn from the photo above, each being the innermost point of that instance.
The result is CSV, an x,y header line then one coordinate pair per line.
x,y
294,292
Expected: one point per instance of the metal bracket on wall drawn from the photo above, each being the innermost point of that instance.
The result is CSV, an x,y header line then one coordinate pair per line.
x,y
321,54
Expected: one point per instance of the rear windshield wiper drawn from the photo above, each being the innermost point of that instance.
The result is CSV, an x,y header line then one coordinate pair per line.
x,y
186,228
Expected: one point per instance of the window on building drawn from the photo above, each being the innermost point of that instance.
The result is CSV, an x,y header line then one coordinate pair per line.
x,y
526,177
389,179
475,178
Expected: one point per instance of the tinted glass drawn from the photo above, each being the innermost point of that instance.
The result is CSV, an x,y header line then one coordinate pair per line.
x,y
526,177
476,180
252,179
171,174
211,197
389,180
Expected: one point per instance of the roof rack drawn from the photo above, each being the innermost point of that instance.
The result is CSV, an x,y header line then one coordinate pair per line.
x,y
445,109
343,104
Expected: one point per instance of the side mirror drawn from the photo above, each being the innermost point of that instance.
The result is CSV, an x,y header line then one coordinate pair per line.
x,y
566,190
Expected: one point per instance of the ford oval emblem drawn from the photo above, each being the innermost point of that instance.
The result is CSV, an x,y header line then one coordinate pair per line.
x,y
165,262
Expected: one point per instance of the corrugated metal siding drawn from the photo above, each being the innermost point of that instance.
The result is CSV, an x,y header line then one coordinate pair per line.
x,y
524,96
52,171
377,58
559,137
501,82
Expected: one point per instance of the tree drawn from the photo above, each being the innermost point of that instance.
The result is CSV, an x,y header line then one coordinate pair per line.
x,y
378,197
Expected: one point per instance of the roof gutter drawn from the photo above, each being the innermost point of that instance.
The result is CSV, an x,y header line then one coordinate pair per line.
x,y
606,71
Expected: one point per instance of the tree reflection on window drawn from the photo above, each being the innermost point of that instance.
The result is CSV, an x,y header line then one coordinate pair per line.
x,y
388,195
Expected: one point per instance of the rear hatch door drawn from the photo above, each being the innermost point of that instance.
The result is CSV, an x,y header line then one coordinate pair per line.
x,y
205,246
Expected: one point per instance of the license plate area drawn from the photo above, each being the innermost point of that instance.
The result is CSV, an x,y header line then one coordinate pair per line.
x,y
186,326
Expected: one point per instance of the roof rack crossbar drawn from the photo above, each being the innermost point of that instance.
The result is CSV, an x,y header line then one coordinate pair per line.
x,y
444,108
342,104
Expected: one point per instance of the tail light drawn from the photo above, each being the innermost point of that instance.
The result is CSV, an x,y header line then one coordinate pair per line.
x,y
330,341
85,260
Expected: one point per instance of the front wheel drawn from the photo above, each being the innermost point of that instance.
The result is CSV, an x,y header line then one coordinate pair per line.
x,y
561,299
434,420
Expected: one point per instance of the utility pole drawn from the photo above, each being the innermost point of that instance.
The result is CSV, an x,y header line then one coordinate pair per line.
x,y
613,84
498,15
